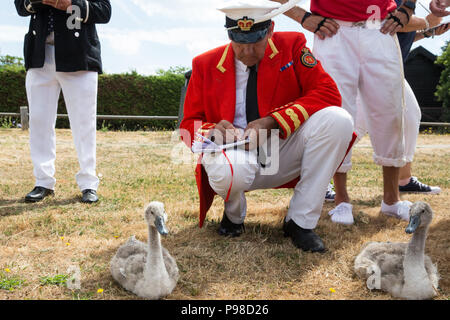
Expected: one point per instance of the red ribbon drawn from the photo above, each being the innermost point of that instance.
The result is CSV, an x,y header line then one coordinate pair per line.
x,y
232,175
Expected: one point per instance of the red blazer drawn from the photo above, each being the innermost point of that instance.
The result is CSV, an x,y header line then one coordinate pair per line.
x,y
292,86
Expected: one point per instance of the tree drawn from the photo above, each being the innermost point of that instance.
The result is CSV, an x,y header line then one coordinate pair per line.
x,y
443,88
177,70
11,63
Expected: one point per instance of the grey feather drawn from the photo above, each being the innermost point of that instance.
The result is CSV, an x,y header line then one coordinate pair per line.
x,y
404,270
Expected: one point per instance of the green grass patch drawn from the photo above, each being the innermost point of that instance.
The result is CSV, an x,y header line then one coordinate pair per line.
x,y
57,280
10,283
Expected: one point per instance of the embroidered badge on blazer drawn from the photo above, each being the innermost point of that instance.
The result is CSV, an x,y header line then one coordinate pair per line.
x,y
308,59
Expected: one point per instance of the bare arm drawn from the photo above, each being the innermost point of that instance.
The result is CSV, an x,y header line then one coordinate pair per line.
x,y
431,33
296,13
328,27
417,23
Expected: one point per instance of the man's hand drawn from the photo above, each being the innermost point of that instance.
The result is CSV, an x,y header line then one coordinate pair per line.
x,y
438,7
224,132
433,20
328,29
442,29
58,4
259,130
395,21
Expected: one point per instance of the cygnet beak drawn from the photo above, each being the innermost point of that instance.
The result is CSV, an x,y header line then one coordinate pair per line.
x,y
414,223
161,226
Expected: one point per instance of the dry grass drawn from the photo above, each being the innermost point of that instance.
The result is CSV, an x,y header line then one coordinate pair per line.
x,y
262,264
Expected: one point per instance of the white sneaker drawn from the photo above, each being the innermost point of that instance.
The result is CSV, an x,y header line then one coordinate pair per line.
x,y
398,210
342,214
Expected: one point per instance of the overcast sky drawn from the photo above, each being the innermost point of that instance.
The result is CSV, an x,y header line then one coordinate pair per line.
x,y
146,35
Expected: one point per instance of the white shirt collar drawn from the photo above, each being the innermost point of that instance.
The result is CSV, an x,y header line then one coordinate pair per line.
x,y
240,66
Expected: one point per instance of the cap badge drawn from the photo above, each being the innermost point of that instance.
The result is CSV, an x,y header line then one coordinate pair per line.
x,y
245,24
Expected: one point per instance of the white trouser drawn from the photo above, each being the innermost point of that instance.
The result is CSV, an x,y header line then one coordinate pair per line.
x,y
412,116
313,152
365,61
80,94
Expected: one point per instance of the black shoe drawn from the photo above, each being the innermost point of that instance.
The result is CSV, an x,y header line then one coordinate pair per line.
x,y
415,186
89,196
305,239
228,228
38,194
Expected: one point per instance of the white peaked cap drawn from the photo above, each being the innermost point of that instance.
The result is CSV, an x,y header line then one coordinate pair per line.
x,y
258,10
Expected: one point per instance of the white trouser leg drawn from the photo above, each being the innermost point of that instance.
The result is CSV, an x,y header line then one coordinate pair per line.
x,y
412,116
236,207
43,92
360,120
80,94
313,152
232,180
340,59
381,90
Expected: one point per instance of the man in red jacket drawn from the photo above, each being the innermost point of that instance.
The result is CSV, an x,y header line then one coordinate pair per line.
x,y
260,82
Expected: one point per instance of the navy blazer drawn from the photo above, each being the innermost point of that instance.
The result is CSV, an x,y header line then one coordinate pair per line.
x,y
77,47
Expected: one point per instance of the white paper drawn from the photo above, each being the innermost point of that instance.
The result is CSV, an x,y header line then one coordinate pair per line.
x,y
208,146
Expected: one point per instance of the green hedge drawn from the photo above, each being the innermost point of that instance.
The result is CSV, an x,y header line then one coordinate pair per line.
x,y
118,94
12,89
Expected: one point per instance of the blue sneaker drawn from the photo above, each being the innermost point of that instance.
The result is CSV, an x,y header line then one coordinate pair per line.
x,y
329,196
415,186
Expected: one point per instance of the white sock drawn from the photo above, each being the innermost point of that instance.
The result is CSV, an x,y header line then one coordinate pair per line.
x,y
342,214
399,209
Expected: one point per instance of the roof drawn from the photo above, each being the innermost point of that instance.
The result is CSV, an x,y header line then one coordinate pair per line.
x,y
423,52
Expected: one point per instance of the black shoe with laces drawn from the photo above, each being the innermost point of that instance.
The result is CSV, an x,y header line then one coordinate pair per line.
x,y
228,228
89,196
415,186
38,194
305,239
